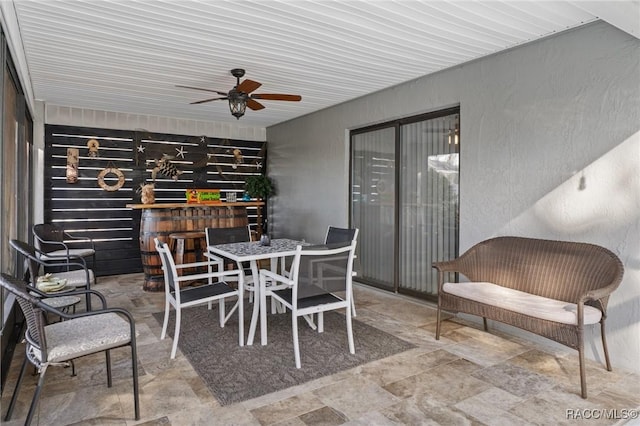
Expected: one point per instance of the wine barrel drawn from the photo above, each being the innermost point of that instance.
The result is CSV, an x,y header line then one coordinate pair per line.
x,y
161,222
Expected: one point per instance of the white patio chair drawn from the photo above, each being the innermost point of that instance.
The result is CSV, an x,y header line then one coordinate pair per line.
x,y
236,234
342,235
334,235
320,281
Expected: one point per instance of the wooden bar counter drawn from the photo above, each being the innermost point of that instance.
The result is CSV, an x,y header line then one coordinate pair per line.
x,y
162,219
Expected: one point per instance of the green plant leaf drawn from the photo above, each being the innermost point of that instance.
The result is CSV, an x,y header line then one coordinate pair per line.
x,y
259,186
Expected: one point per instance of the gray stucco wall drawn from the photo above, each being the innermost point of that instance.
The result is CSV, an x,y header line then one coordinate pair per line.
x,y
550,148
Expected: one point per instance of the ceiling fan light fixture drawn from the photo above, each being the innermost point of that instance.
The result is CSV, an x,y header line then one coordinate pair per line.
x,y
237,103
242,96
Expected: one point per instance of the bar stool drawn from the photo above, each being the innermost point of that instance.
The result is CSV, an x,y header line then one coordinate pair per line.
x,y
188,247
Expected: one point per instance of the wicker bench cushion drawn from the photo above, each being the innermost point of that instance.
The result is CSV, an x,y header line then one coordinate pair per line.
x,y
69,339
521,302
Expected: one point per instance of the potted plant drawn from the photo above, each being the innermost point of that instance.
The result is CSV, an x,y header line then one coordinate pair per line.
x,y
259,186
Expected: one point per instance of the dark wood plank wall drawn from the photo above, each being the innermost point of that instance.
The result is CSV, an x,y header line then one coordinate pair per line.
x,y
84,208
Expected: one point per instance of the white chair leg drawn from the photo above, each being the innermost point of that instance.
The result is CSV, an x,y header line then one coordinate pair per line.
x,y
240,306
209,305
296,343
221,312
309,320
176,334
353,307
227,316
165,323
350,332
320,322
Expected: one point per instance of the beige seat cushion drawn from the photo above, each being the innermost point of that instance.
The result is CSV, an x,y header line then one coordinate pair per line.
x,y
57,254
77,278
523,303
86,335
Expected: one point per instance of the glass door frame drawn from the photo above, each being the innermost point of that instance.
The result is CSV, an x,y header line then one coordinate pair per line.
x,y
397,125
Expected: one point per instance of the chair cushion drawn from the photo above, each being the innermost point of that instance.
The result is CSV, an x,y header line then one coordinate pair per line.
x,y
523,303
86,335
55,255
194,294
307,302
76,278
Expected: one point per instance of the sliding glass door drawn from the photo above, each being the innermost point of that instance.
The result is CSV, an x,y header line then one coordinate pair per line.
x,y
373,204
405,200
428,228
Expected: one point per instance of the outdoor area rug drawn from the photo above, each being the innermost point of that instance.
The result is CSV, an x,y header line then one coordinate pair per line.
x,y
235,373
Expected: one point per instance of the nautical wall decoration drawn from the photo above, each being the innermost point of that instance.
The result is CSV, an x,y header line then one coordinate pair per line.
x,y
72,164
147,195
237,158
175,163
111,169
207,164
165,167
93,146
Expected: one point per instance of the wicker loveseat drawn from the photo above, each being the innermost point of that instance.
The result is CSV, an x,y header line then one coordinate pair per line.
x,y
550,288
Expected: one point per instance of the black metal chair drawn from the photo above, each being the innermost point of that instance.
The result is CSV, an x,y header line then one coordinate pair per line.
x,y
55,243
58,344
80,278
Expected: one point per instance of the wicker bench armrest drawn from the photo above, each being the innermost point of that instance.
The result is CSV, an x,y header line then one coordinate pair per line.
x,y
443,268
446,266
598,294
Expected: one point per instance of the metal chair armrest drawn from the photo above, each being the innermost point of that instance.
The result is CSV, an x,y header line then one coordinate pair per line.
x,y
80,238
203,275
55,311
276,277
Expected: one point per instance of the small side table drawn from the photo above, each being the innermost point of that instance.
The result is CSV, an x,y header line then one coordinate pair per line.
x,y
63,303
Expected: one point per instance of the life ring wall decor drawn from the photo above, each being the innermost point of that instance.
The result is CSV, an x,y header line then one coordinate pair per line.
x,y
111,170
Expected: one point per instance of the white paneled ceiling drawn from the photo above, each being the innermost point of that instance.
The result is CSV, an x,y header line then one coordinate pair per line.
x,y
128,56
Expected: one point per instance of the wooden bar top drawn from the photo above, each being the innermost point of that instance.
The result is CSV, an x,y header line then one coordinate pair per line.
x,y
188,205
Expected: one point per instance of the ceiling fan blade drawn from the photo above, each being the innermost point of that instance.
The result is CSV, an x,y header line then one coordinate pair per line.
x,y
206,90
207,100
254,105
248,86
277,97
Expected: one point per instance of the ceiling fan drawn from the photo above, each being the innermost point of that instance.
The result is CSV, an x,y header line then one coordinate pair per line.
x,y
241,97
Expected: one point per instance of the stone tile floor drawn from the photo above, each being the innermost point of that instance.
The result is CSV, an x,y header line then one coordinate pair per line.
x,y
468,377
